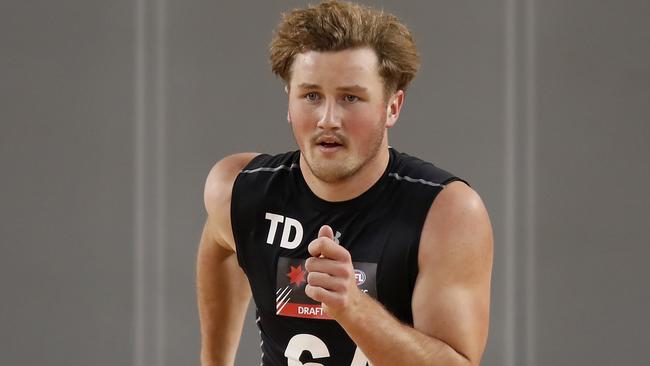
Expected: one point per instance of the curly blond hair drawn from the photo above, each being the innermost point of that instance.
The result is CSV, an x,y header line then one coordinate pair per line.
x,y
339,25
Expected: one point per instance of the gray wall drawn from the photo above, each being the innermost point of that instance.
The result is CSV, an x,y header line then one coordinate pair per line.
x,y
66,187
112,113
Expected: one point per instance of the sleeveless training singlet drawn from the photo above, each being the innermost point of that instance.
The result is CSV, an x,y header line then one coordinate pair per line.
x,y
274,218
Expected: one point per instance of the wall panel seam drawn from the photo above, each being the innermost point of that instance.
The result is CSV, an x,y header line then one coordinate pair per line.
x,y
510,184
139,148
531,189
150,188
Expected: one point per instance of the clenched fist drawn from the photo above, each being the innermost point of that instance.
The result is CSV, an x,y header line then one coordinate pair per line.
x,y
331,278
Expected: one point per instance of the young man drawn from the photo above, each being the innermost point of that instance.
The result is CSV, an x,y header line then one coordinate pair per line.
x,y
354,253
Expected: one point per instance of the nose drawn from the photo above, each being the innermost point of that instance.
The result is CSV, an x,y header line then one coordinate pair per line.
x,y
330,116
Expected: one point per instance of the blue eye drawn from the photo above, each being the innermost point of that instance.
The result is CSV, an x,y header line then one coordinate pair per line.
x,y
311,96
351,98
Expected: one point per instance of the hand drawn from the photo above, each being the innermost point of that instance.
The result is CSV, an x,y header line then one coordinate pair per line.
x,y
331,274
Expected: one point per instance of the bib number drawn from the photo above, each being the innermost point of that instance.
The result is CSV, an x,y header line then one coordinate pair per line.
x,y
318,349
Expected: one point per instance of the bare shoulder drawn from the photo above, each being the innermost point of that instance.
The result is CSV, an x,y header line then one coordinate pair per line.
x,y
218,184
457,226
217,195
451,299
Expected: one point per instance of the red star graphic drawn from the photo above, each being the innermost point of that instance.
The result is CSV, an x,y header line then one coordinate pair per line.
x,y
296,275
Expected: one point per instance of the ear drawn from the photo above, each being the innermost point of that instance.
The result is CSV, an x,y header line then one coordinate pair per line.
x,y
286,91
394,107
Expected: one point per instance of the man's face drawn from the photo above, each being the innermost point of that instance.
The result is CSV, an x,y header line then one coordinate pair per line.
x,y
338,111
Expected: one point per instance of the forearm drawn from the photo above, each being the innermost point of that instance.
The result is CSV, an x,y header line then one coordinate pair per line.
x,y
390,342
223,294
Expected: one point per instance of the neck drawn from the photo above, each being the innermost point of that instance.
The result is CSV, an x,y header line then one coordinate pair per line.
x,y
352,186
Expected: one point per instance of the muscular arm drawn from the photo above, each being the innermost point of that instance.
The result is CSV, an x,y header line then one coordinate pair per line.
x,y
223,292
451,297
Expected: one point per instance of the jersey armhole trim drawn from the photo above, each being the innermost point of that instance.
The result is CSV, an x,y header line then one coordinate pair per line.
x,y
454,179
233,216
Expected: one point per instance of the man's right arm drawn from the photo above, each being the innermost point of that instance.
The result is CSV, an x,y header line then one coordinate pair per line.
x,y
223,292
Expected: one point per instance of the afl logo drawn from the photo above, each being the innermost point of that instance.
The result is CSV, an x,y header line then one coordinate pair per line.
x,y
360,276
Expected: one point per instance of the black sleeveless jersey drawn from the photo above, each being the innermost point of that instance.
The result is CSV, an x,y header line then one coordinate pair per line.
x,y
274,218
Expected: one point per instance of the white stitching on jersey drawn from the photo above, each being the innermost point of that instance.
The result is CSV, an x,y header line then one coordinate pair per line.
x,y
269,169
414,180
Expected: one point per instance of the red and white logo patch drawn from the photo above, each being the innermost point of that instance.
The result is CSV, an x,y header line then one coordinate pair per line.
x,y
290,297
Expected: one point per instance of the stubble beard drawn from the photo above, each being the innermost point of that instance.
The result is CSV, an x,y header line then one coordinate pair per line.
x,y
337,171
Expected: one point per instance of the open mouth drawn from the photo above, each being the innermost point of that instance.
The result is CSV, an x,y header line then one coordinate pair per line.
x,y
329,144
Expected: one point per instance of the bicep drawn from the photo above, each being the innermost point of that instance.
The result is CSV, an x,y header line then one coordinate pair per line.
x,y
222,295
454,314
217,266
217,196
452,291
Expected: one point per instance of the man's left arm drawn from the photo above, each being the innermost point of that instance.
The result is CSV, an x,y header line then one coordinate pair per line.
x,y
451,297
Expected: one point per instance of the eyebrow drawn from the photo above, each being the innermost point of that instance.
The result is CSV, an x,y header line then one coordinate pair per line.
x,y
351,88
